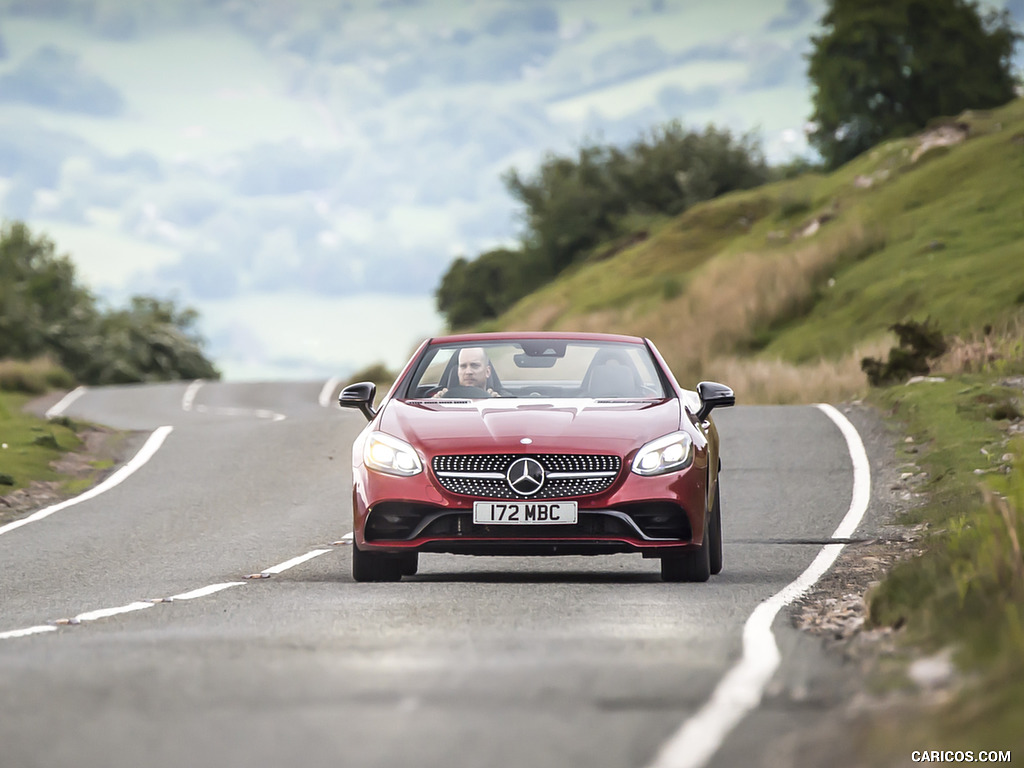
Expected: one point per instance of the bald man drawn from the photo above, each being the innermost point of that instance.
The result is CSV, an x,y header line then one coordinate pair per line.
x,y
474,370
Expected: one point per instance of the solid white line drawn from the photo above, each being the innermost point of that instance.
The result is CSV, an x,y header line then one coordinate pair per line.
x,y
59,408
296,561
328,391
190,394
106,613
27,631
209,590
741,689
138,461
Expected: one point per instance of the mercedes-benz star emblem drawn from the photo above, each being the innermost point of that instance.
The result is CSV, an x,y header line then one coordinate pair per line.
x,y
525,476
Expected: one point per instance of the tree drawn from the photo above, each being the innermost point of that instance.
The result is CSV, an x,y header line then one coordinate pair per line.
x,y
573,204
882,69
45,312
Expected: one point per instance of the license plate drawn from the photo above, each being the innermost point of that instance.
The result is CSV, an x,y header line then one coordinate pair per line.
x,y
524,512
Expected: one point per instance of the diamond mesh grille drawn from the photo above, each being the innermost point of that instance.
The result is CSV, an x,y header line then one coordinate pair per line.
x,y
597,473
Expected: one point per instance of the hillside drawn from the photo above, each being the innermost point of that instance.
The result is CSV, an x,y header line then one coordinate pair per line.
x,y
285,167
782,290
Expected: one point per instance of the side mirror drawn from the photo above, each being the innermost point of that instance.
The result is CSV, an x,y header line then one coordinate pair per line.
x,y
359,396
713,395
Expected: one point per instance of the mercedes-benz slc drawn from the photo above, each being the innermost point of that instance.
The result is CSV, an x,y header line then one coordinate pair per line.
x,y
537,444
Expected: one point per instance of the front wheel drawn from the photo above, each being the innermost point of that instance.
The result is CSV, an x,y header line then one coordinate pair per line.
x,y
694,565
375,566
715,531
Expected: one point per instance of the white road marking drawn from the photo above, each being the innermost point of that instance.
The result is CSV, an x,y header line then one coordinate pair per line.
x,y
296,561
27,631
190,394
204,591
106,613
232,411
741,689
138,461
328,390
58,408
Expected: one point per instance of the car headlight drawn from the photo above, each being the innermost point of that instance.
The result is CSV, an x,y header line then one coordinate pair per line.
x,y
666,454
390,455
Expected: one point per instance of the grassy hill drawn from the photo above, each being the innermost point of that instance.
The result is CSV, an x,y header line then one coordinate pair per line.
x,y
781,290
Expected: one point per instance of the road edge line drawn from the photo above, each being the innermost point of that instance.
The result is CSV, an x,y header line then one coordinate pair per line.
x,y
59,407
740,690
148,450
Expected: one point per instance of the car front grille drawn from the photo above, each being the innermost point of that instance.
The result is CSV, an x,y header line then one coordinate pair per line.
x,y
566,475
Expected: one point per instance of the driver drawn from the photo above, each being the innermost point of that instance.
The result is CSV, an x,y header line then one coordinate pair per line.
x,y
474,371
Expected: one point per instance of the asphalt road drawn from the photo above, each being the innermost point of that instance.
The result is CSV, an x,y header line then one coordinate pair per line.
x,y
474,662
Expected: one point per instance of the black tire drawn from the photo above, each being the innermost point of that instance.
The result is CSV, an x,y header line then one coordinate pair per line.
x,y
715,530
410,563
694,565
374,566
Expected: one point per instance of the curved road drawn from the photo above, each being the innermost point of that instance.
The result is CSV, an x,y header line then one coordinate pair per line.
x,y
474,662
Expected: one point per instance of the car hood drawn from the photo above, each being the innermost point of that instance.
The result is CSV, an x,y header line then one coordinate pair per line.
x,y
501,425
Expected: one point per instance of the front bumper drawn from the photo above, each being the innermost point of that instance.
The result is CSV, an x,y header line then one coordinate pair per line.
x,y
651,515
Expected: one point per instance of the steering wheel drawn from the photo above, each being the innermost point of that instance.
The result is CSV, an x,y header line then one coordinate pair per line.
x,y
460,391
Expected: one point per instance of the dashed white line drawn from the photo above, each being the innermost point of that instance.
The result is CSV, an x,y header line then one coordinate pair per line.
x,y
27,631
190,394
106,613
328,390
226,410
208,590
281,567
741,689
58,408
147,452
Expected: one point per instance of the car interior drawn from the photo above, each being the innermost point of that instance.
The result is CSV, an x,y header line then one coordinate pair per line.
x,y
611,374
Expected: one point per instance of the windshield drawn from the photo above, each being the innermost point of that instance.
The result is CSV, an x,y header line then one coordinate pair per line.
x,y
548,368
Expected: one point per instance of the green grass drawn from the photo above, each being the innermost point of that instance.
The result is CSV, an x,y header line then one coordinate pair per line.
x,y
939,237
31,444
732,289
966,591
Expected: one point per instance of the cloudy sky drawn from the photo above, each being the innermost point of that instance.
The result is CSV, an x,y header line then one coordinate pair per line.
x,y
303,172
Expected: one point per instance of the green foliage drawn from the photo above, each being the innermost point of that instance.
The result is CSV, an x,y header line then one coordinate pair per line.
x,y
44,312
32,444
33,376
573,204
884,68
471,291
918,343
967,588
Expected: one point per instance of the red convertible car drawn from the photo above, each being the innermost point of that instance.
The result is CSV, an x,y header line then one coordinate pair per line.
x,y
537,444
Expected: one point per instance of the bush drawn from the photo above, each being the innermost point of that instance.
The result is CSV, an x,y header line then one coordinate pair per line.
x,y
33,376
918,343
45,313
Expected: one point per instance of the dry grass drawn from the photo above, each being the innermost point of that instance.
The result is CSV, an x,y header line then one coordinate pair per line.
x,y
996,347
757,381
33,376
730,300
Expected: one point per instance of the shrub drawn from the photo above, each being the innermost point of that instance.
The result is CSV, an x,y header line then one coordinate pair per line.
x,y
918,343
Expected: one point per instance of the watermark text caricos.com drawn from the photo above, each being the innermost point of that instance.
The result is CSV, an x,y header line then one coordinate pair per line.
x,y
960,756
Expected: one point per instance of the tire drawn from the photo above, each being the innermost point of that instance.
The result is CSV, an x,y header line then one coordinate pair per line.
x,y
409,563
715,530
690,566
374,566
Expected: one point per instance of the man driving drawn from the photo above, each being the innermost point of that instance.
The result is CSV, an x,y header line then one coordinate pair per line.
x,y
474,371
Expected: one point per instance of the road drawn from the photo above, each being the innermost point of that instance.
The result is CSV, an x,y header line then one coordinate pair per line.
x,y
473,662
